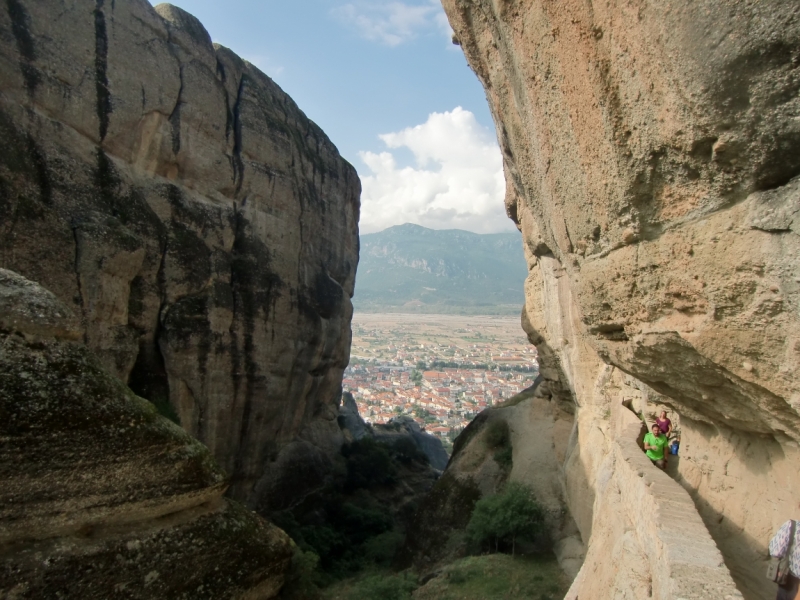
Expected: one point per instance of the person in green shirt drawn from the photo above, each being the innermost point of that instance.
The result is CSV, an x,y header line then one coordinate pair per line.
x,y
655,446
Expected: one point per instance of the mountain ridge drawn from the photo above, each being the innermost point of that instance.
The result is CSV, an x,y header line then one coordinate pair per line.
x,y
411,268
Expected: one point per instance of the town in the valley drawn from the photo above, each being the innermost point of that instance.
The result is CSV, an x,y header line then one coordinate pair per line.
x,y
440,370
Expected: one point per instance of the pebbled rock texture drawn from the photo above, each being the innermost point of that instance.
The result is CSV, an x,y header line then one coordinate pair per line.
x,y
652,153
202,229
101,496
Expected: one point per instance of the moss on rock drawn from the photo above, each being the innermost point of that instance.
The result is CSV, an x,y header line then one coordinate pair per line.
x,y
101,496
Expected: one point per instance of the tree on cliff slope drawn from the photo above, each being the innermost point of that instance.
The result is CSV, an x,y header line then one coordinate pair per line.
x,y
506,517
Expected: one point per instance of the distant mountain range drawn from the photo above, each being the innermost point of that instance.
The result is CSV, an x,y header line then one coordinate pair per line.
x,y
409,268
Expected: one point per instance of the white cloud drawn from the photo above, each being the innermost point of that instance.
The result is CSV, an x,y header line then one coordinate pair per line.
x,y
392,23
456,183
444,26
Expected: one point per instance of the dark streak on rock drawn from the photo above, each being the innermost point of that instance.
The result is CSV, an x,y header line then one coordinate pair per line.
x,y
21,159
223,78
326,296
175,114
76,266
161,282
238,164
148,377
185,329
154,385
101,68
175,117
255,287
126,204
105,178
41,172
20,27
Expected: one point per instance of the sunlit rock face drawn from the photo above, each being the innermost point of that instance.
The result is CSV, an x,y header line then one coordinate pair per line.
x,y
203,230
652,153
101,496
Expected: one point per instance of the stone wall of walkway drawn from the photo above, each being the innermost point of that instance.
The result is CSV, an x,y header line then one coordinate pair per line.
x,y
653,542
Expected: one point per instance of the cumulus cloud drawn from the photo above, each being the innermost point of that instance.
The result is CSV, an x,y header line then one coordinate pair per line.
x,y
456,182
444,26
392,23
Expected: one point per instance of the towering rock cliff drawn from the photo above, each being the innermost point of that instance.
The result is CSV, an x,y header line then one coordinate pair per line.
x,y
200,226
652,153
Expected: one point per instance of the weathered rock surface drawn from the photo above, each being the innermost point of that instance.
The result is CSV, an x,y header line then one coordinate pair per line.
x,y
101,496
652,155
201,227
350,420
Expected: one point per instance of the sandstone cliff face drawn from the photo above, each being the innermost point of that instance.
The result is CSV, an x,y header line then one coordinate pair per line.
x,y
101,496
651,151
202,228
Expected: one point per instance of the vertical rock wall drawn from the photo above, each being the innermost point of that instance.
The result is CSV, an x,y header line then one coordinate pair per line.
x,y
201,226
652,151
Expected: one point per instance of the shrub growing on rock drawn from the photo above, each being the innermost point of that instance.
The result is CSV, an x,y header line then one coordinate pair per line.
x,y
504,518
369,464
382,548
391,587
300,580
339,539
497,437
497,434
406,451
503,457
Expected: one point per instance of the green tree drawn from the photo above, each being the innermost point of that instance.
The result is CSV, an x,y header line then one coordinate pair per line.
x,y
422,413
369,464
497,434
506,517
406,451
505,458
386,587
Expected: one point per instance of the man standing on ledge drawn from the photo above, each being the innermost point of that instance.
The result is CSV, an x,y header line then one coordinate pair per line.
x,y
655,446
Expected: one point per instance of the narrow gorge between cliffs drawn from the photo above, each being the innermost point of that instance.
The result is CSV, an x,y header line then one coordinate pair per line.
x,y
179,247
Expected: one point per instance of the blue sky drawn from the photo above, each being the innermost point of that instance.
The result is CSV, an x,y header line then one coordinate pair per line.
x,y
386,84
